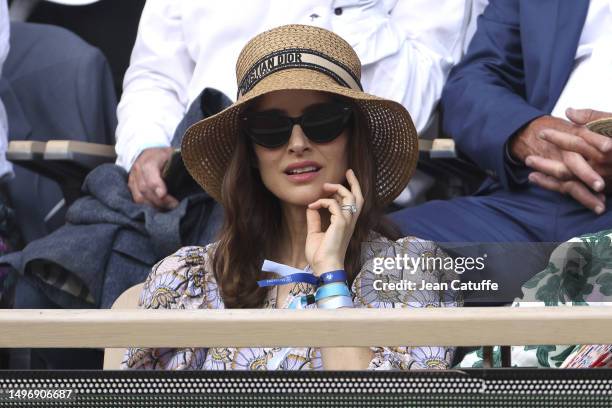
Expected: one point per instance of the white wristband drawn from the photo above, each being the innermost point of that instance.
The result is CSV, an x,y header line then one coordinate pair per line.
x,y
335,302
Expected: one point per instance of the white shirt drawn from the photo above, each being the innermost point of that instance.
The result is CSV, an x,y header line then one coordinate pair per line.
x,y
590,83
6,168
406,48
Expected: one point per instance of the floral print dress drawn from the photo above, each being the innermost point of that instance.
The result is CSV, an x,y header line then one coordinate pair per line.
x,y
185,280
579,273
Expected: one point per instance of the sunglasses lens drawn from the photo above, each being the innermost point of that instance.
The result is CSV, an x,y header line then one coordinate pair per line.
x,y
321,123
325,122
268,130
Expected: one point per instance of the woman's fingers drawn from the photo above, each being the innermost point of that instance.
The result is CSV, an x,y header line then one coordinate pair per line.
x,y
329,203
332,206
313,221
331,247
342,196
353,196
346,196
355,188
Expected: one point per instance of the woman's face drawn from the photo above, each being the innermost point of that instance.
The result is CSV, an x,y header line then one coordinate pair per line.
x,y
296,172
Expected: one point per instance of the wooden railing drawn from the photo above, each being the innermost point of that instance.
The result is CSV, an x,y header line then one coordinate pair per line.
x,y
336,328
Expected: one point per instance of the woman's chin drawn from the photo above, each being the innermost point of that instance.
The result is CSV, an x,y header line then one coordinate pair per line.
x,y
300,203
302,198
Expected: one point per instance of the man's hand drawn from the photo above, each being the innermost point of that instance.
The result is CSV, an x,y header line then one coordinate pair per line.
x,y
556,167
145,181
527,143
584,116
596,149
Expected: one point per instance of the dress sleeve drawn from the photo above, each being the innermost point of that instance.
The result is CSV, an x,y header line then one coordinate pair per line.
x,y
425,263
179,281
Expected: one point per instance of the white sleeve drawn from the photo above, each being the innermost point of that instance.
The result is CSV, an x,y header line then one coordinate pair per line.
x,y
6,168
407,48
155,95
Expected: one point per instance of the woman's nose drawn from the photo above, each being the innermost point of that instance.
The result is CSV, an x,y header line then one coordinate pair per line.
x,y
298,142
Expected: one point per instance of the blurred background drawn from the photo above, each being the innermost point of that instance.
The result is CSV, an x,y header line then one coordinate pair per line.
x,y
110,25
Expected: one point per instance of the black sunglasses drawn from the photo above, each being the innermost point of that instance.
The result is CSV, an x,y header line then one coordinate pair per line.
x,y
321,123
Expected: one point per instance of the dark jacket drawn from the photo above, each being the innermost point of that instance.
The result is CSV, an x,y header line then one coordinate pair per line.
x,y
109,243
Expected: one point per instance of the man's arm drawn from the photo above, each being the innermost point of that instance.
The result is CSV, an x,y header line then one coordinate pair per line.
x,y
483,103
485,111
407,51
6,169
154,95
153,102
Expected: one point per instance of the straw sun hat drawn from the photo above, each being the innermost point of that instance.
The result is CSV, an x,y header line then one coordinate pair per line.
x,y
300,57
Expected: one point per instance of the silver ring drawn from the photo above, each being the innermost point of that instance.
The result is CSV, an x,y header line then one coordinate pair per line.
x,y
352,208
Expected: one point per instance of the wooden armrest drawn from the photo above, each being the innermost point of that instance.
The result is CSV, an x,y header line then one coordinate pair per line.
x,y
457,174
65,161
28,154
24,150
440,148
83,154
443,148
86,155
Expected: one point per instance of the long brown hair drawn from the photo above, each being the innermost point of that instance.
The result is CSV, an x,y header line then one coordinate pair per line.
x,y
253,219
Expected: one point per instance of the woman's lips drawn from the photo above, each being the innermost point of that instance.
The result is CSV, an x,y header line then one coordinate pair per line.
x,y
302,172
303,177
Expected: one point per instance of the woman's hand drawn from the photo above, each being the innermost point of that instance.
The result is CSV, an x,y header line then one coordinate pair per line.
x,y
325,250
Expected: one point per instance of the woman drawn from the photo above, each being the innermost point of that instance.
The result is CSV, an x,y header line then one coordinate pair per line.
x,y
303,163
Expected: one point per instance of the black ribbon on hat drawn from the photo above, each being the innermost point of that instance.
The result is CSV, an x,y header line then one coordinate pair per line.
x,y
298,58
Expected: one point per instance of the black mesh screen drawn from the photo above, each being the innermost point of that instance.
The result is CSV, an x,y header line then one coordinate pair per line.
x,y
468,388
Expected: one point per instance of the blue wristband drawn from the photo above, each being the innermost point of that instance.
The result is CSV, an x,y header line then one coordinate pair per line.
x,y
336,302
295,277
332,289
333,276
